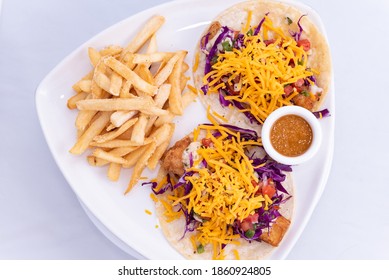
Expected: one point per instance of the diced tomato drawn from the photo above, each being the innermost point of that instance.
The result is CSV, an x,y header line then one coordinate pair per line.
x,y
270,190
268,42
206,142
248,222
305,44
288,90
252,218
246,226
299,83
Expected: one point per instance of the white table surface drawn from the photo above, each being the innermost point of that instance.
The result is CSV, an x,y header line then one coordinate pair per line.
x,y
41,218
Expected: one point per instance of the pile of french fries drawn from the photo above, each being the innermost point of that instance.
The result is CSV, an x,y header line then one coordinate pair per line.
x,y
127,103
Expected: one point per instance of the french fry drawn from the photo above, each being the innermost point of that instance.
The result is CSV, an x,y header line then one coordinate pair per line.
x,y
113,134
111,50
127,103
160,150
85,85
161,134
142,104
157,155
152,47
148,30
140,165
114,171
120,117
122,151
102,81
125,90
76,86
160,99
115,84
187,98
138,133
133,157
85,117
72,100
119,143
175,99
94,56
130,75
152,57
99,153
94,129
94,161
165,72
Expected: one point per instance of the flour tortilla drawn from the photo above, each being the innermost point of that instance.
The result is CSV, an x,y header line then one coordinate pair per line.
x,y
235,17
174,231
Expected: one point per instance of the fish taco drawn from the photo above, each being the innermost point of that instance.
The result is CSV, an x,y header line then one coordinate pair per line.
x,y
221,196
258,56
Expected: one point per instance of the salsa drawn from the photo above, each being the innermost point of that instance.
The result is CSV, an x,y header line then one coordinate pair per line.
x,y
291,135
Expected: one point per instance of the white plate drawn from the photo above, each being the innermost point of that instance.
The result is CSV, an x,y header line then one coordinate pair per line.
x,y
124,216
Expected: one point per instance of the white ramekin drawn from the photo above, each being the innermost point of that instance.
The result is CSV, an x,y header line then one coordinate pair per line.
x,y
306,115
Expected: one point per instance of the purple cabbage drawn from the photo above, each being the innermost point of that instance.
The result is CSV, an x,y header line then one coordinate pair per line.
x,y
166,187
190,160
190,222
239,41
169,185
248,115
225,32
204,89
260,25
297,35
273,170
265,220
222,100
247,134
322,114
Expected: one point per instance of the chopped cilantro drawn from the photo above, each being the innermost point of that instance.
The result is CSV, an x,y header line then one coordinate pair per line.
x,y
227,46
289,20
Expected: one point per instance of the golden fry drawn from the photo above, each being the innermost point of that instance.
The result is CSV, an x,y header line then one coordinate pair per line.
x,y
119,143
140,166
72,100
99,153
94,129
187,98
115,84
165,72
145,105
114,171
175,99
130,75
138,133
94,161
120,117
160,150
113,134
148,30
127,101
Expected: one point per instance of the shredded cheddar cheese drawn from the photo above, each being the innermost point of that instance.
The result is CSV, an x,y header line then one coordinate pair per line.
x,y
221,193
260,70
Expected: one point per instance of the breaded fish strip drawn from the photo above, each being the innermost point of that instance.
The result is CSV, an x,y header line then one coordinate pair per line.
x,y
172,160
277,231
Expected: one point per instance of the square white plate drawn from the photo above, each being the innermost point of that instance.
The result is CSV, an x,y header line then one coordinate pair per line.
x,y
124,216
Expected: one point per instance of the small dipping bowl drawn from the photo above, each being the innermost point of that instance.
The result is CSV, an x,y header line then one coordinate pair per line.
x,y
286,144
